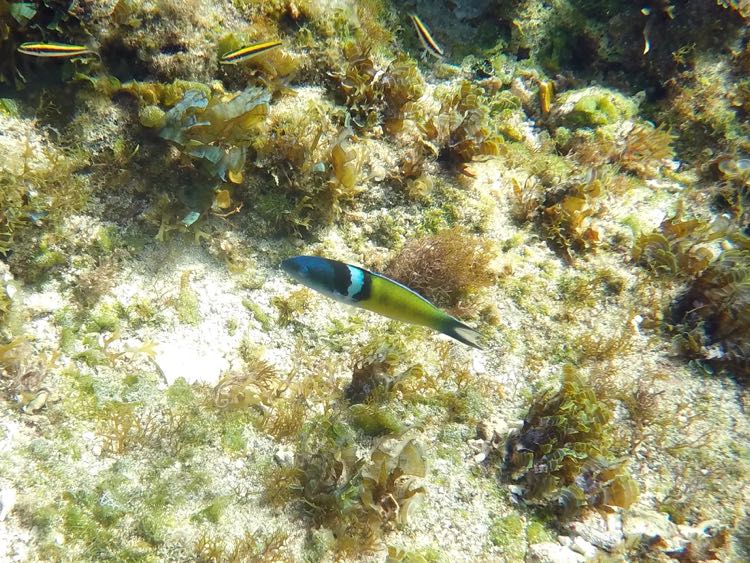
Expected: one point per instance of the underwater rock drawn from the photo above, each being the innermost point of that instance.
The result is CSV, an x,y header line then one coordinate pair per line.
x,y
650,525
584,548
161,40
591,107
176,362
549,552
470,9
7,502
284,457
595,531
705,541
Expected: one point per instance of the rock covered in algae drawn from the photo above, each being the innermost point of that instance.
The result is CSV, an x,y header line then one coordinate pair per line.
x,y
592,107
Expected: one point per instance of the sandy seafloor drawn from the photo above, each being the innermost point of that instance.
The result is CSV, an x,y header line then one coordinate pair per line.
x,y
63,484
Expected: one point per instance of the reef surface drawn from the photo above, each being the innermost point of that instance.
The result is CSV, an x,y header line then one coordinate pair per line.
x,y
568,178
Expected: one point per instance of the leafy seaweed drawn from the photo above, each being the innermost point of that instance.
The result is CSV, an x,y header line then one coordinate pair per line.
x,y
559,456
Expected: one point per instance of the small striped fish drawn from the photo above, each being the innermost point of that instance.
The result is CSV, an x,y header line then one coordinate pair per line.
x,y
246,53
54,50
428,43
374,292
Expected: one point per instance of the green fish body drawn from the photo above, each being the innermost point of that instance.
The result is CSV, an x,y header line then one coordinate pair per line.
x,y
367,290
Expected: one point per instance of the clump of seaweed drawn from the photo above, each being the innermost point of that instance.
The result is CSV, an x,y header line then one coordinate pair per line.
x,y
126,426
567,216
734,189
702,111
447,268
22,373
293,153
374,372
359,498
209,549
217,130
256,385
679,247
316,175
560,455
376,375
41,187
461,132
374,95
642,149
358,86
390,489
645,149
713,316
290,306
346,165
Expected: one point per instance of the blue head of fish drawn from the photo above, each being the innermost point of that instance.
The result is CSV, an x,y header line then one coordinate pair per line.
x,y
311,271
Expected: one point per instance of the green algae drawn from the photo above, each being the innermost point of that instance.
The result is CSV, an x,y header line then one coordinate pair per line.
x,y
186,304
507,533
594,110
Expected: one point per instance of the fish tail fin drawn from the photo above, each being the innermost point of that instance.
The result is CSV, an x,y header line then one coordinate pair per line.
x,y
463,333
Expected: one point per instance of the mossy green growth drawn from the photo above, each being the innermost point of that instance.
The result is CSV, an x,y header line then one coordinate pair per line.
x,y
559,456
152,117
508,534
103,319
232,434
537,532
186,304
429,554
43,261
265,321
213,511
8,107
595,107
375,420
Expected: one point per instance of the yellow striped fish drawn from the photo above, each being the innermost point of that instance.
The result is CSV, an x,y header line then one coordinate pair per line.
x,y
245,53
54,50
428,43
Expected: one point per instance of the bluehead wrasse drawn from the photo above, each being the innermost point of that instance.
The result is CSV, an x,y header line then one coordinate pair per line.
x,y
361,288
54,50
37,216
425,38
190,218
246,53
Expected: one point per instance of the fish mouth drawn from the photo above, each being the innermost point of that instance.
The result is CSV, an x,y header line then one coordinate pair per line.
x,y
291,266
